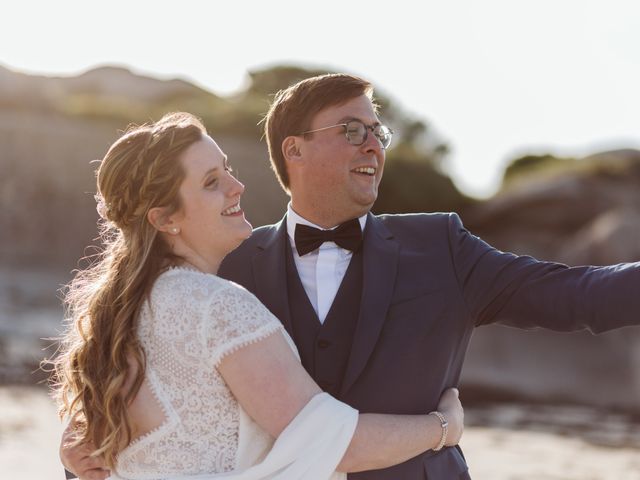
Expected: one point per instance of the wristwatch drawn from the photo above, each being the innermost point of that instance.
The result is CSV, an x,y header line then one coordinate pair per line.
x,y
445,428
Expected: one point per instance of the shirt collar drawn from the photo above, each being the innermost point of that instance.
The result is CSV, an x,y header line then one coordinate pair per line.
x,y
293,218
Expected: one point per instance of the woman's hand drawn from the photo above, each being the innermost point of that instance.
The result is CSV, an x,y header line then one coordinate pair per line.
x,y
451,408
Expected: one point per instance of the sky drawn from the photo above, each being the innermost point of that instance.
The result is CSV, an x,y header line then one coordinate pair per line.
x,y
495,79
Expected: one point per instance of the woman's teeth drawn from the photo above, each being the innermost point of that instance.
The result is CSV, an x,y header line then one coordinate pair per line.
x,y
231,210
366,170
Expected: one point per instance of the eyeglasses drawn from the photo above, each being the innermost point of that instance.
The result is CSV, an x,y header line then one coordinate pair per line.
x,y
357,132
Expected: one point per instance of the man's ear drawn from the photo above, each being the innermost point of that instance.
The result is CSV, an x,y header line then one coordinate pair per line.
x,y
161,221
291,149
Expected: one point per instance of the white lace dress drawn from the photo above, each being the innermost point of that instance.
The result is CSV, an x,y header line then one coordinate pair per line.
x,y
190,323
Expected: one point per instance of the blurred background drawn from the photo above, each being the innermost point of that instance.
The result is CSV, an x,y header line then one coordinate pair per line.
x,y
521,117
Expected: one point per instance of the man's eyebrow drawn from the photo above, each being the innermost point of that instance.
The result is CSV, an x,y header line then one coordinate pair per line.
x,y
351,117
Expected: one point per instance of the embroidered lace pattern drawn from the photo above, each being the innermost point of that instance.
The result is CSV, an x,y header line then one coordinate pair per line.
x,y
190,323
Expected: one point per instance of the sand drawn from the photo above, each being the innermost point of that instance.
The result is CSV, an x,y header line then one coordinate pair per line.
x,y
29,435
562,448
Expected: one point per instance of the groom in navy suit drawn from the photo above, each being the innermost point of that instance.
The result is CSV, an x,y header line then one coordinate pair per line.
x,y
382,307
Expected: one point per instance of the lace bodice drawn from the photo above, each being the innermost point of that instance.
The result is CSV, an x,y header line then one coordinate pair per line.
x,y
190,323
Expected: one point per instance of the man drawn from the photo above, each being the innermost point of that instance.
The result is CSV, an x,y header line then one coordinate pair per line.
x,y
385,328
384,323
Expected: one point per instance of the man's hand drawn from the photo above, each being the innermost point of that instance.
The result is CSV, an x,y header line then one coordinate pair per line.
x,y
451,408
78,459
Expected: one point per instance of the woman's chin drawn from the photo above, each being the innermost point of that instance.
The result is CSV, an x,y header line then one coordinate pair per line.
x,y
247,231
240,239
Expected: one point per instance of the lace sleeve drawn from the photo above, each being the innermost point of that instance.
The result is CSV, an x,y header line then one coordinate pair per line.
x,y
237,319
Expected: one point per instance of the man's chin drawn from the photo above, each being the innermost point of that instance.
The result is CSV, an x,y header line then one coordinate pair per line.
x,y
363,210
366,202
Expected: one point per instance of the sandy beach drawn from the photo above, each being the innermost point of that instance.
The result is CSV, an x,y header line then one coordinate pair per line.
x,y
501,442
29,435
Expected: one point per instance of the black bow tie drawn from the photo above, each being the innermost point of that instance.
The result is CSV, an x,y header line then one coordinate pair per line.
x,y
347,235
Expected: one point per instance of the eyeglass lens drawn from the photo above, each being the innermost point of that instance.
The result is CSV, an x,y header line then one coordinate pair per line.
x,y
357,131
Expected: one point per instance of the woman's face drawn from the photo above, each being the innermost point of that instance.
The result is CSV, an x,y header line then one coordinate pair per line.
x,y
210,221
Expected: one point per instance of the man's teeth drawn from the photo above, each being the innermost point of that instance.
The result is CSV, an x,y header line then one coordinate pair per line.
x,y
367,170
231,210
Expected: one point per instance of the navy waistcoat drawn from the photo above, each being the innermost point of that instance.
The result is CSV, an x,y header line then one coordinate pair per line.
x,y
325,347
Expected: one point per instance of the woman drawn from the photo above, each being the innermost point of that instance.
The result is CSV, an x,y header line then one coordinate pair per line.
x,y
168,370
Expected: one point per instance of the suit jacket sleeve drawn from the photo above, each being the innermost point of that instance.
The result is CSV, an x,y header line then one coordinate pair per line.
x,y
523,292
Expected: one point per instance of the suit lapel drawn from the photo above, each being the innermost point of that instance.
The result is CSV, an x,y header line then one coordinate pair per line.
x,y
270,274
380,264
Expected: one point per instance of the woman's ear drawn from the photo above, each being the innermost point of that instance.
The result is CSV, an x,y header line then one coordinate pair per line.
x,y
158,218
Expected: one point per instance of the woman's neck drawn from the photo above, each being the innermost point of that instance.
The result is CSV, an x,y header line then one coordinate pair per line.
x,y
199,265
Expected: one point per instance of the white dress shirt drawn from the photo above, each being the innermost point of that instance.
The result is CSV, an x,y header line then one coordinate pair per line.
x,y
321,271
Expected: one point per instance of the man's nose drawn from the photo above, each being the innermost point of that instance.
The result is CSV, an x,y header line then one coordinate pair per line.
x,y
372,143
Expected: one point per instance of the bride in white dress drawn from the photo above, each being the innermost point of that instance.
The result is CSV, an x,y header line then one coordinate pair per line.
x,y
168,371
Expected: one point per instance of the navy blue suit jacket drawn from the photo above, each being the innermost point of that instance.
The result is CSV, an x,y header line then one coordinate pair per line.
x,y
427,283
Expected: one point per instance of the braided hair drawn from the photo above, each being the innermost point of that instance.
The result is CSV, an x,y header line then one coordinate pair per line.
x,y
100,365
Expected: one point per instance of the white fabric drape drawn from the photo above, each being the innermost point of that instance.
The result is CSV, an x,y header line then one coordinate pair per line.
x,y
310,448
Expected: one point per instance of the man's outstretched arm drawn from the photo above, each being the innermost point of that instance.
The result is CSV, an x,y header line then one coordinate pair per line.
x,y
523,292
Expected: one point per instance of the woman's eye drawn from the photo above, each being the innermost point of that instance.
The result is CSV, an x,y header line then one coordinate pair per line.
x,y
211,183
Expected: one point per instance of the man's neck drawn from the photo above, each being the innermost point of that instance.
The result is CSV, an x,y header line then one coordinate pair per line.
x,y
293,218
325,220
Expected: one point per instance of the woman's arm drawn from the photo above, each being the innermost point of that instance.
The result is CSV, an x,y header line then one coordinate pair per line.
x,y
272,387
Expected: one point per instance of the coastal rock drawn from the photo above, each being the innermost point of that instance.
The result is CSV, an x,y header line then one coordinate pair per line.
x,y
584,217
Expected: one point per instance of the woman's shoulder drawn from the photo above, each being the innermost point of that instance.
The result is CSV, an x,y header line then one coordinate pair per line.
x,y
194,286
223,314
183,279
183,299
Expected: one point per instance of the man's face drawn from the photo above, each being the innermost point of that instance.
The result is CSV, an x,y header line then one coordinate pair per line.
x,y
338,181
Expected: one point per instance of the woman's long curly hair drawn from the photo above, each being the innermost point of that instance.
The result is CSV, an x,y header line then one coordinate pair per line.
x,y
100,365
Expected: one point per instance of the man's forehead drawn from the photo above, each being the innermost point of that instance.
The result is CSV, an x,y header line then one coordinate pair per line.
x,y
360,108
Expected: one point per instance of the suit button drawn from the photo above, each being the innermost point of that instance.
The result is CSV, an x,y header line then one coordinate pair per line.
x,y
323,343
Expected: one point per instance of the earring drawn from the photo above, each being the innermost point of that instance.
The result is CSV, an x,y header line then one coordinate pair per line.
x,y
175,230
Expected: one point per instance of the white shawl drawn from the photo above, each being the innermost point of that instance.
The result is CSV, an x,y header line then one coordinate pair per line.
x,y
310,448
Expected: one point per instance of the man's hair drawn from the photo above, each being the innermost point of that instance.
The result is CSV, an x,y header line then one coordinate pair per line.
x,y
293,109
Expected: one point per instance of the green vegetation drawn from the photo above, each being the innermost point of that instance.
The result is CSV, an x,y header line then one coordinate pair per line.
x,y
611,165
528,166
413,182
